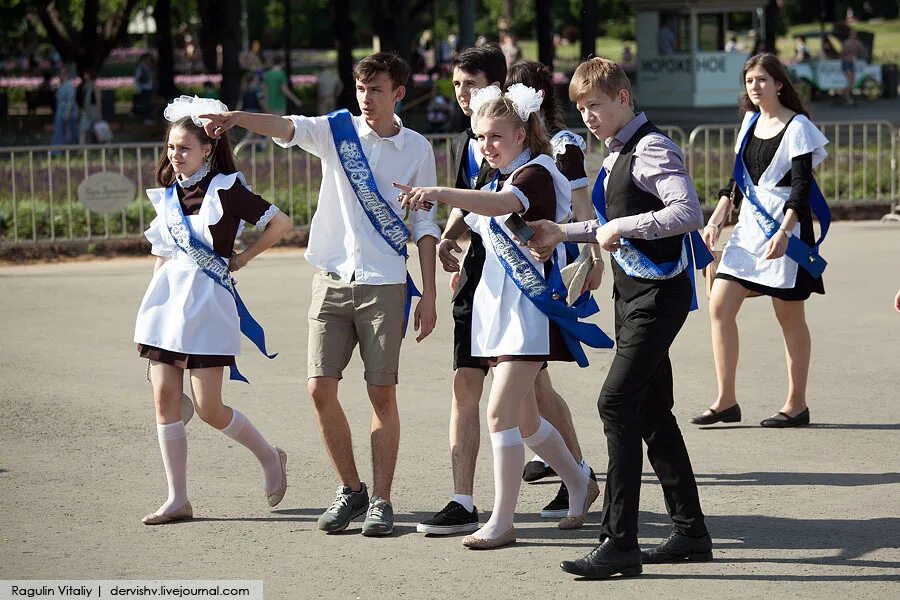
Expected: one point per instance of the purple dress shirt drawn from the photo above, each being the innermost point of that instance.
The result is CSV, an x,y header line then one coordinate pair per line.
x,y
658,168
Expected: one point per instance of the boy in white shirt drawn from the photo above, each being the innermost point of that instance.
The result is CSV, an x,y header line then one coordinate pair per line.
x,y
361,294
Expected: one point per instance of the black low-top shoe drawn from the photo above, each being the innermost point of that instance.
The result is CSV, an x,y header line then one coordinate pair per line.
x,y
454,518
729,415
536,470
604,561
679,548
799,420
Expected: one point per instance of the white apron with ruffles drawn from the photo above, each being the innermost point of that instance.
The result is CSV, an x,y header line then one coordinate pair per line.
x,y
504,320
745,251
184,310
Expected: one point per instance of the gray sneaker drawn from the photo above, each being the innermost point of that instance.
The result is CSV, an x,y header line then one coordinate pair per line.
x,y
379,519
347,506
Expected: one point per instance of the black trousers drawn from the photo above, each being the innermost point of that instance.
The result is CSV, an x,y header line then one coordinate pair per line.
x,y
636,404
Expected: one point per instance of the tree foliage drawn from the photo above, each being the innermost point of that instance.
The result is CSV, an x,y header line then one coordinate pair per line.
x,y
84,31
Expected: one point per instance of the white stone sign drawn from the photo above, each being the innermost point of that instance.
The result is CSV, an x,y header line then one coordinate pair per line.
x,y
106,193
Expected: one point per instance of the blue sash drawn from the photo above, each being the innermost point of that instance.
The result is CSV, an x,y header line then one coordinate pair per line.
x,y
383,218
470,167
217,268
549,296
797,250
694,253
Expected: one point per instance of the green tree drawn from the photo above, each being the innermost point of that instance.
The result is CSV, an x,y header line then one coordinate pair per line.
x,y
84,31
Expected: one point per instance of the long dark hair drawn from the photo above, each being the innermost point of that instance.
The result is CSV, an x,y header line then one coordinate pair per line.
x,y
222,159
787,96
538,76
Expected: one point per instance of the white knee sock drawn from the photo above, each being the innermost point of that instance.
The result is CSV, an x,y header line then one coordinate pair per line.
x,y
242,431
509,454
173,447
547,442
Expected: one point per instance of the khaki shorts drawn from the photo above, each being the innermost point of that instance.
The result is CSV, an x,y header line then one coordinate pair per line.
x,y
342,315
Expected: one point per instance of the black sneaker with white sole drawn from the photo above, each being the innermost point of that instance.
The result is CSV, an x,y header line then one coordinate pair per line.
x,y
535,470
559,506
454,518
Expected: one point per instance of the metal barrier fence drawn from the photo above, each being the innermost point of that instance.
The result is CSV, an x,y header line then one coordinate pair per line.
x,y
38,184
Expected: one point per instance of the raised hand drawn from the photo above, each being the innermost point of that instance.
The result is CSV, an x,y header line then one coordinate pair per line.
x,y
217,124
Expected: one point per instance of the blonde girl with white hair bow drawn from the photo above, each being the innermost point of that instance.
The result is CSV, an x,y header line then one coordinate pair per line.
x,y
190,317
509,332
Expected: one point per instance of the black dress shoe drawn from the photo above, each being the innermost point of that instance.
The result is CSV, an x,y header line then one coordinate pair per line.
x,y
798,420
604,561
536,470
729,415
679,548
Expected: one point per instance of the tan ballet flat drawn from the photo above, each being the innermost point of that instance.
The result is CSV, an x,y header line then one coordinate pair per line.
x,y
577,521
276,496
182,514
477,543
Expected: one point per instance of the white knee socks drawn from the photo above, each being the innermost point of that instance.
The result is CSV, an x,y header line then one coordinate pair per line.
x,y
173,447
242,431
547,442
509,454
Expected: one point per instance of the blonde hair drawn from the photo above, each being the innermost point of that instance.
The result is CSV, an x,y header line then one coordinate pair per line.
x,y
599,74
502,109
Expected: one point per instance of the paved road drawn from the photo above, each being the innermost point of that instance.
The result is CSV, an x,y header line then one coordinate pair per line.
x,y
809,513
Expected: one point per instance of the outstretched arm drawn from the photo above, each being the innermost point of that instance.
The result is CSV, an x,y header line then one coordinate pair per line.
x,y
267,125
489,204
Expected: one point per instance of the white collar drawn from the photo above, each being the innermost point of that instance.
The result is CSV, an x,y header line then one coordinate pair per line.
x,y
517,162
364,130
194,179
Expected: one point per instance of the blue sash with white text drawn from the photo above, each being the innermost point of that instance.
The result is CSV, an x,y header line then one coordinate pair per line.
x,y
383,218
549,296
694,253
797,250
216,268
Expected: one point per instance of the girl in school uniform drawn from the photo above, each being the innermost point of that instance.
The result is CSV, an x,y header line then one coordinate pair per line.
x,y
509,331
189,317
779,147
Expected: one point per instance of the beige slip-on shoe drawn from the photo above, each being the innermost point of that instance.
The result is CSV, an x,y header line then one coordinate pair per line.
x,y
182,514
276,496
577,521
477,543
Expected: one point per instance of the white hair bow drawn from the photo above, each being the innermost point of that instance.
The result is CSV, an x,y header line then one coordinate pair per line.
x,y
481,96
192,106
526,100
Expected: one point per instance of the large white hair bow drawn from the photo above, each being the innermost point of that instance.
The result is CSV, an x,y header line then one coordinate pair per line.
x,y
481,96
526,100
192,106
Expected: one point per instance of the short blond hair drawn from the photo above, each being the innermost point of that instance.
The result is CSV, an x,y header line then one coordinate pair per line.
x,y
599,74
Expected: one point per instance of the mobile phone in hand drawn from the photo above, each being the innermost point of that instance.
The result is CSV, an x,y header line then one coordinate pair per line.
x,y
516,224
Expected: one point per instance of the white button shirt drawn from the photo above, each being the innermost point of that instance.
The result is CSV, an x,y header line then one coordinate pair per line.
x,y
342,240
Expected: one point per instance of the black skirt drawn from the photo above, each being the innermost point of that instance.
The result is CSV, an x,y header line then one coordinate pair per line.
x,y
184,361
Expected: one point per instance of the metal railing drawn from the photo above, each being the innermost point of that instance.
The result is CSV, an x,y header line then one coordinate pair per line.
x,y
861,163
38,184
